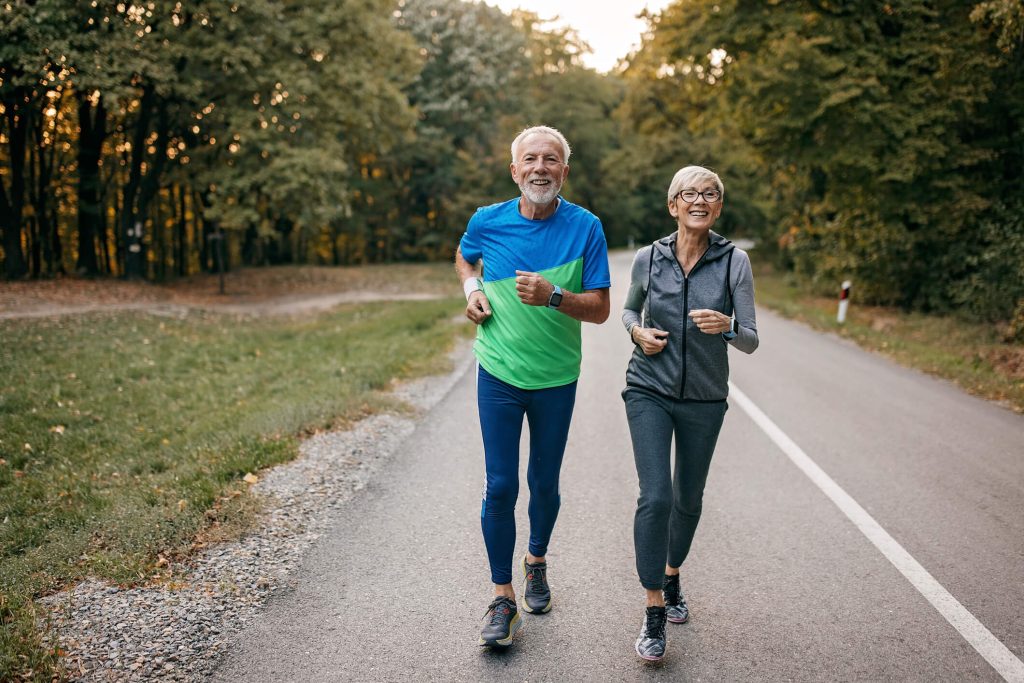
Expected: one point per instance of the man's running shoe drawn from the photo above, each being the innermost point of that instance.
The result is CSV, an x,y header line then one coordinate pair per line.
x,y
500,623
676,610
536,592
651,643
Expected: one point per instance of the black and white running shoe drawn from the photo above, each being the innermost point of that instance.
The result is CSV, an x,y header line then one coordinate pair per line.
x,y
651,643
675,604
500,623
536,592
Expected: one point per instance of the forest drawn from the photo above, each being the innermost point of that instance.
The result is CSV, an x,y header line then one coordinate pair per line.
x,y
875,141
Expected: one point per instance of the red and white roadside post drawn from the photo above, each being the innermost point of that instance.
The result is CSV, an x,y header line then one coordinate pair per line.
x,y
844,301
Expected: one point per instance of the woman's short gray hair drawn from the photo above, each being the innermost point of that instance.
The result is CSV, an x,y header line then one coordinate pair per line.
x,y
544,130
691,176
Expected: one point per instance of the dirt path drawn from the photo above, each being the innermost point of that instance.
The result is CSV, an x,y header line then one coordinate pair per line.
x,y
277,290
284,305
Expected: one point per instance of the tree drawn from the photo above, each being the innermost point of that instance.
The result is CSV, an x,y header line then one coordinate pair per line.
x,y
468,94
866,118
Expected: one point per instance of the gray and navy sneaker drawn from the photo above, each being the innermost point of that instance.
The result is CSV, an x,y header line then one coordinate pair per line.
x,y
675,604
536,592
500,623
651,643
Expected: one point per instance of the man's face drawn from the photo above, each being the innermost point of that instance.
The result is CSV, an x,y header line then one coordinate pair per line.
x,y
538,169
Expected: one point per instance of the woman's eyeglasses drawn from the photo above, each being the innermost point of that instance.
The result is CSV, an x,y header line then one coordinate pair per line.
x,y
690,196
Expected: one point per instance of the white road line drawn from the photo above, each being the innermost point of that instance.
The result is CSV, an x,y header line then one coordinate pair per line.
x,y
974,632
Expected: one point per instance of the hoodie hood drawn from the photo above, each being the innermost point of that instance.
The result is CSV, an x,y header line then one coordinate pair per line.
x,y
719,246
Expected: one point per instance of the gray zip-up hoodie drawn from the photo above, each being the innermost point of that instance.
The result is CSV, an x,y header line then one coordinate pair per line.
x,y
693,365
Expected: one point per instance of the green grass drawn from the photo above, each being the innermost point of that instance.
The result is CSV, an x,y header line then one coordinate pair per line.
x,y
124,437
969,354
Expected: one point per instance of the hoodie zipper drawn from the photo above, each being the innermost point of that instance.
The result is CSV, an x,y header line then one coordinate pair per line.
x,y
686,308
686,315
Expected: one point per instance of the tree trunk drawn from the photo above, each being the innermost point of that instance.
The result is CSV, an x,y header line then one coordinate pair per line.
x,y
53,236
183,243
93,123
47,257
11,207
131,225
149,186
33,248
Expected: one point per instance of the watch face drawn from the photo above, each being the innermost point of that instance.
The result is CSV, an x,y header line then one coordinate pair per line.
x,y
556,300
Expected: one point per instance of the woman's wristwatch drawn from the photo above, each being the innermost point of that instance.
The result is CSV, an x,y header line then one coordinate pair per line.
x,y
734,327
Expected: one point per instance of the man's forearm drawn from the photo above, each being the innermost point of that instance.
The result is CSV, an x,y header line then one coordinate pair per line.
x,y
591,306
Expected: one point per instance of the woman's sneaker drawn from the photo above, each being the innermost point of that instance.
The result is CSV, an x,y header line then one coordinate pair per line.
x,y
500,623
676,610
651,643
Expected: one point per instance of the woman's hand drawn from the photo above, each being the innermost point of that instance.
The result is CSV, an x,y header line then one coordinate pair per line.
x,y
711,322
650,339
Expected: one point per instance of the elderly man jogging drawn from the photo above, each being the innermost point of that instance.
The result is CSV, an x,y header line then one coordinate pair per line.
x,y
545,269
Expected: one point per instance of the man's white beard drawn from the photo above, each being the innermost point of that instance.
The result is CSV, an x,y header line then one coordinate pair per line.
x,y
540,195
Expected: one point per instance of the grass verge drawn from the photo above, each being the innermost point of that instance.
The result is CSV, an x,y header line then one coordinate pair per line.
x,y
971,355
123,437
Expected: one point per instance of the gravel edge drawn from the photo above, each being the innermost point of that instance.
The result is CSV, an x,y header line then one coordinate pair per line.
x,y
179,632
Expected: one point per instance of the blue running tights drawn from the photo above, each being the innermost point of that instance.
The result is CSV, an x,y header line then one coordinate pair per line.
x,y
501,408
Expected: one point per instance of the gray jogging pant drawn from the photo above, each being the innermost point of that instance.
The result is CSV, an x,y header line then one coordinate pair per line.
x,y
669,507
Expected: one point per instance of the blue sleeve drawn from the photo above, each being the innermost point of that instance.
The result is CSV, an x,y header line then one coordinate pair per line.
x,y
470,246
596,274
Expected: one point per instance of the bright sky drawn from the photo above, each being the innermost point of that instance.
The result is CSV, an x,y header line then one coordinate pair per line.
x,y
610,28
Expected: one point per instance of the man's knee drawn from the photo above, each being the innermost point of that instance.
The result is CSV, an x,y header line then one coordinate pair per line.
x,y
501,495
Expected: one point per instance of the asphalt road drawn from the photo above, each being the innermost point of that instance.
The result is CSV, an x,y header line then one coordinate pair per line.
x,y
782,585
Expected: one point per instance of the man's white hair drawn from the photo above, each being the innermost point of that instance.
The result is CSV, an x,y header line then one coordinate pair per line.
x,y
691,176
542,130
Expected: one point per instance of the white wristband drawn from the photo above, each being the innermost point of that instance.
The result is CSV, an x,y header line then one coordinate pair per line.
x,y
470,285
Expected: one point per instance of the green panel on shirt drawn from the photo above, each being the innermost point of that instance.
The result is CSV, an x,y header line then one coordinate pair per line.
x,y
531,347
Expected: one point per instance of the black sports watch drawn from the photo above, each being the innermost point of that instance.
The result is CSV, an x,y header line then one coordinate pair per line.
x,y
555,300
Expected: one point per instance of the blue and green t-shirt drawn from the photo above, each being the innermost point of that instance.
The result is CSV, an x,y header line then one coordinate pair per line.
x,y
533,347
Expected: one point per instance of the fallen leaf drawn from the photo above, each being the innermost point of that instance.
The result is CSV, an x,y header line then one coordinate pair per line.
x,y
161,561
28,447
250,478
57,429
182,504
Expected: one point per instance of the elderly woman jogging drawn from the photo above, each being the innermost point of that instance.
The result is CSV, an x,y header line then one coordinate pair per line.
x,y
691,297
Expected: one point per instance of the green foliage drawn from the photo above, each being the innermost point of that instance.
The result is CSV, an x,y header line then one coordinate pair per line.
x,y
873,142
259,114
878,141
1007,16
473,66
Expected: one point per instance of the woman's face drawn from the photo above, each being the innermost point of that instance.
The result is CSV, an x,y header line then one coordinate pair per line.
x,y
698,214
